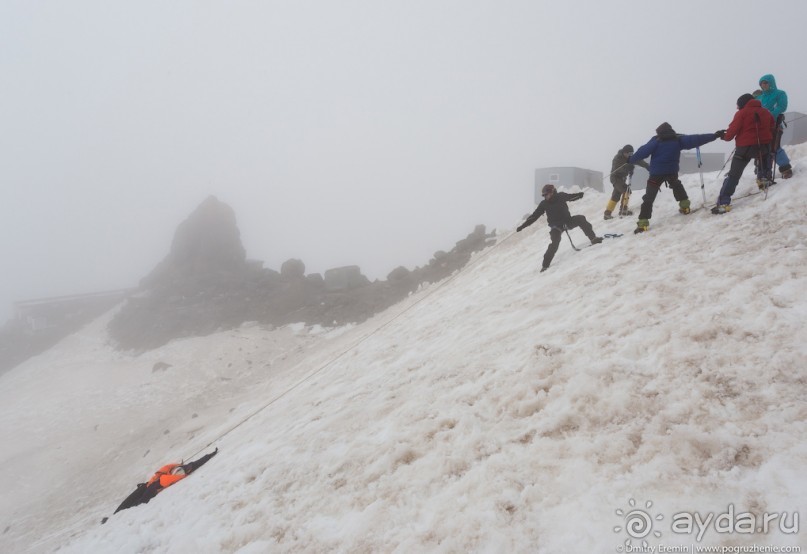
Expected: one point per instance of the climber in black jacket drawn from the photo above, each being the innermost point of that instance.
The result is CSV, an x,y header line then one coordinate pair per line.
x,y
559,219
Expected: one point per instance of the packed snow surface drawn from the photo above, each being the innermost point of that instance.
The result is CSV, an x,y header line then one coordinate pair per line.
x,y
501,410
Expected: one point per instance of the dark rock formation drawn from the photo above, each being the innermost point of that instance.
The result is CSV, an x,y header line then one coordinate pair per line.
x,y
292,269
399,274
345,278
206,284
206,246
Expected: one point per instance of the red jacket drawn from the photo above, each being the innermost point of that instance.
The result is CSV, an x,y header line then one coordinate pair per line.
x,y
748,129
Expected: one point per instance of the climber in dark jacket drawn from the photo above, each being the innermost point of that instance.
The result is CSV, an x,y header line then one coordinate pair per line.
x,y
559,219
164,477
620,171
664,150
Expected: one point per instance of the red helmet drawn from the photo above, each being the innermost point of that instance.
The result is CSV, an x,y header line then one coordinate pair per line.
x,y
548,189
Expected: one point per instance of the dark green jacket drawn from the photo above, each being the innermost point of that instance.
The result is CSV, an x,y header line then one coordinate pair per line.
x,y
620,168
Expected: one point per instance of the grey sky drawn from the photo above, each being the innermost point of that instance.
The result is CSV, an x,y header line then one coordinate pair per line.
x,y
341,132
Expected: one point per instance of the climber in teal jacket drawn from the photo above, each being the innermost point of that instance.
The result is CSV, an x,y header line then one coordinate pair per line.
x,y
774,100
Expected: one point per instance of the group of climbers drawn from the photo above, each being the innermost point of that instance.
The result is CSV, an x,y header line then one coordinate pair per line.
x,y
756,129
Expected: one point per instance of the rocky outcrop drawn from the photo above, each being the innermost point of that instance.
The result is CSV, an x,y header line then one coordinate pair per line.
x,y
345,278
292,269
206,246
206,284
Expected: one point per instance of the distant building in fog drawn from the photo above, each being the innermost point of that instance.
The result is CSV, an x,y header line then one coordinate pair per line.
x,y
47,313
796,130
588,178
567,177
709,162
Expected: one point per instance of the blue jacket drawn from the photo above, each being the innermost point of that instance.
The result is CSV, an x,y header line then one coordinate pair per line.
x,y
773,100
665,154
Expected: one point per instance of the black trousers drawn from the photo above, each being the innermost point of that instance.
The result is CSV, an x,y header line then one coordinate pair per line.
x,y
653,185
190,467
141,495
556,232
743,155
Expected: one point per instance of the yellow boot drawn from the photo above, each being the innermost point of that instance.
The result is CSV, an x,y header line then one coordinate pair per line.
x,y
608,209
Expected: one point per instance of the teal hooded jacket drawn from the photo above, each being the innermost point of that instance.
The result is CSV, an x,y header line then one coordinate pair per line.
x,y
773,99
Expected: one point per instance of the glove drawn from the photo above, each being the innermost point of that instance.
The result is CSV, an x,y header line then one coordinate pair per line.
x,y
720,134
519,228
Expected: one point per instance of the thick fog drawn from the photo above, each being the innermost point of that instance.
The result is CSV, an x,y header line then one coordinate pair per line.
x,y
350,132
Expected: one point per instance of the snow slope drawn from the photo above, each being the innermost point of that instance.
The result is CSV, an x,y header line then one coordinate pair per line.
x,y
502,410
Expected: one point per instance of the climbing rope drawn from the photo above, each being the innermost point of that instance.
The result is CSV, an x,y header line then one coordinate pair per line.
x,y
352,347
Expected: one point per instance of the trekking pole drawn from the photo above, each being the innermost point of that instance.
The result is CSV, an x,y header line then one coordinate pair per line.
x,y
777,142
763,163
625,200
770,181
700,170
570,238
726,162
771,165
